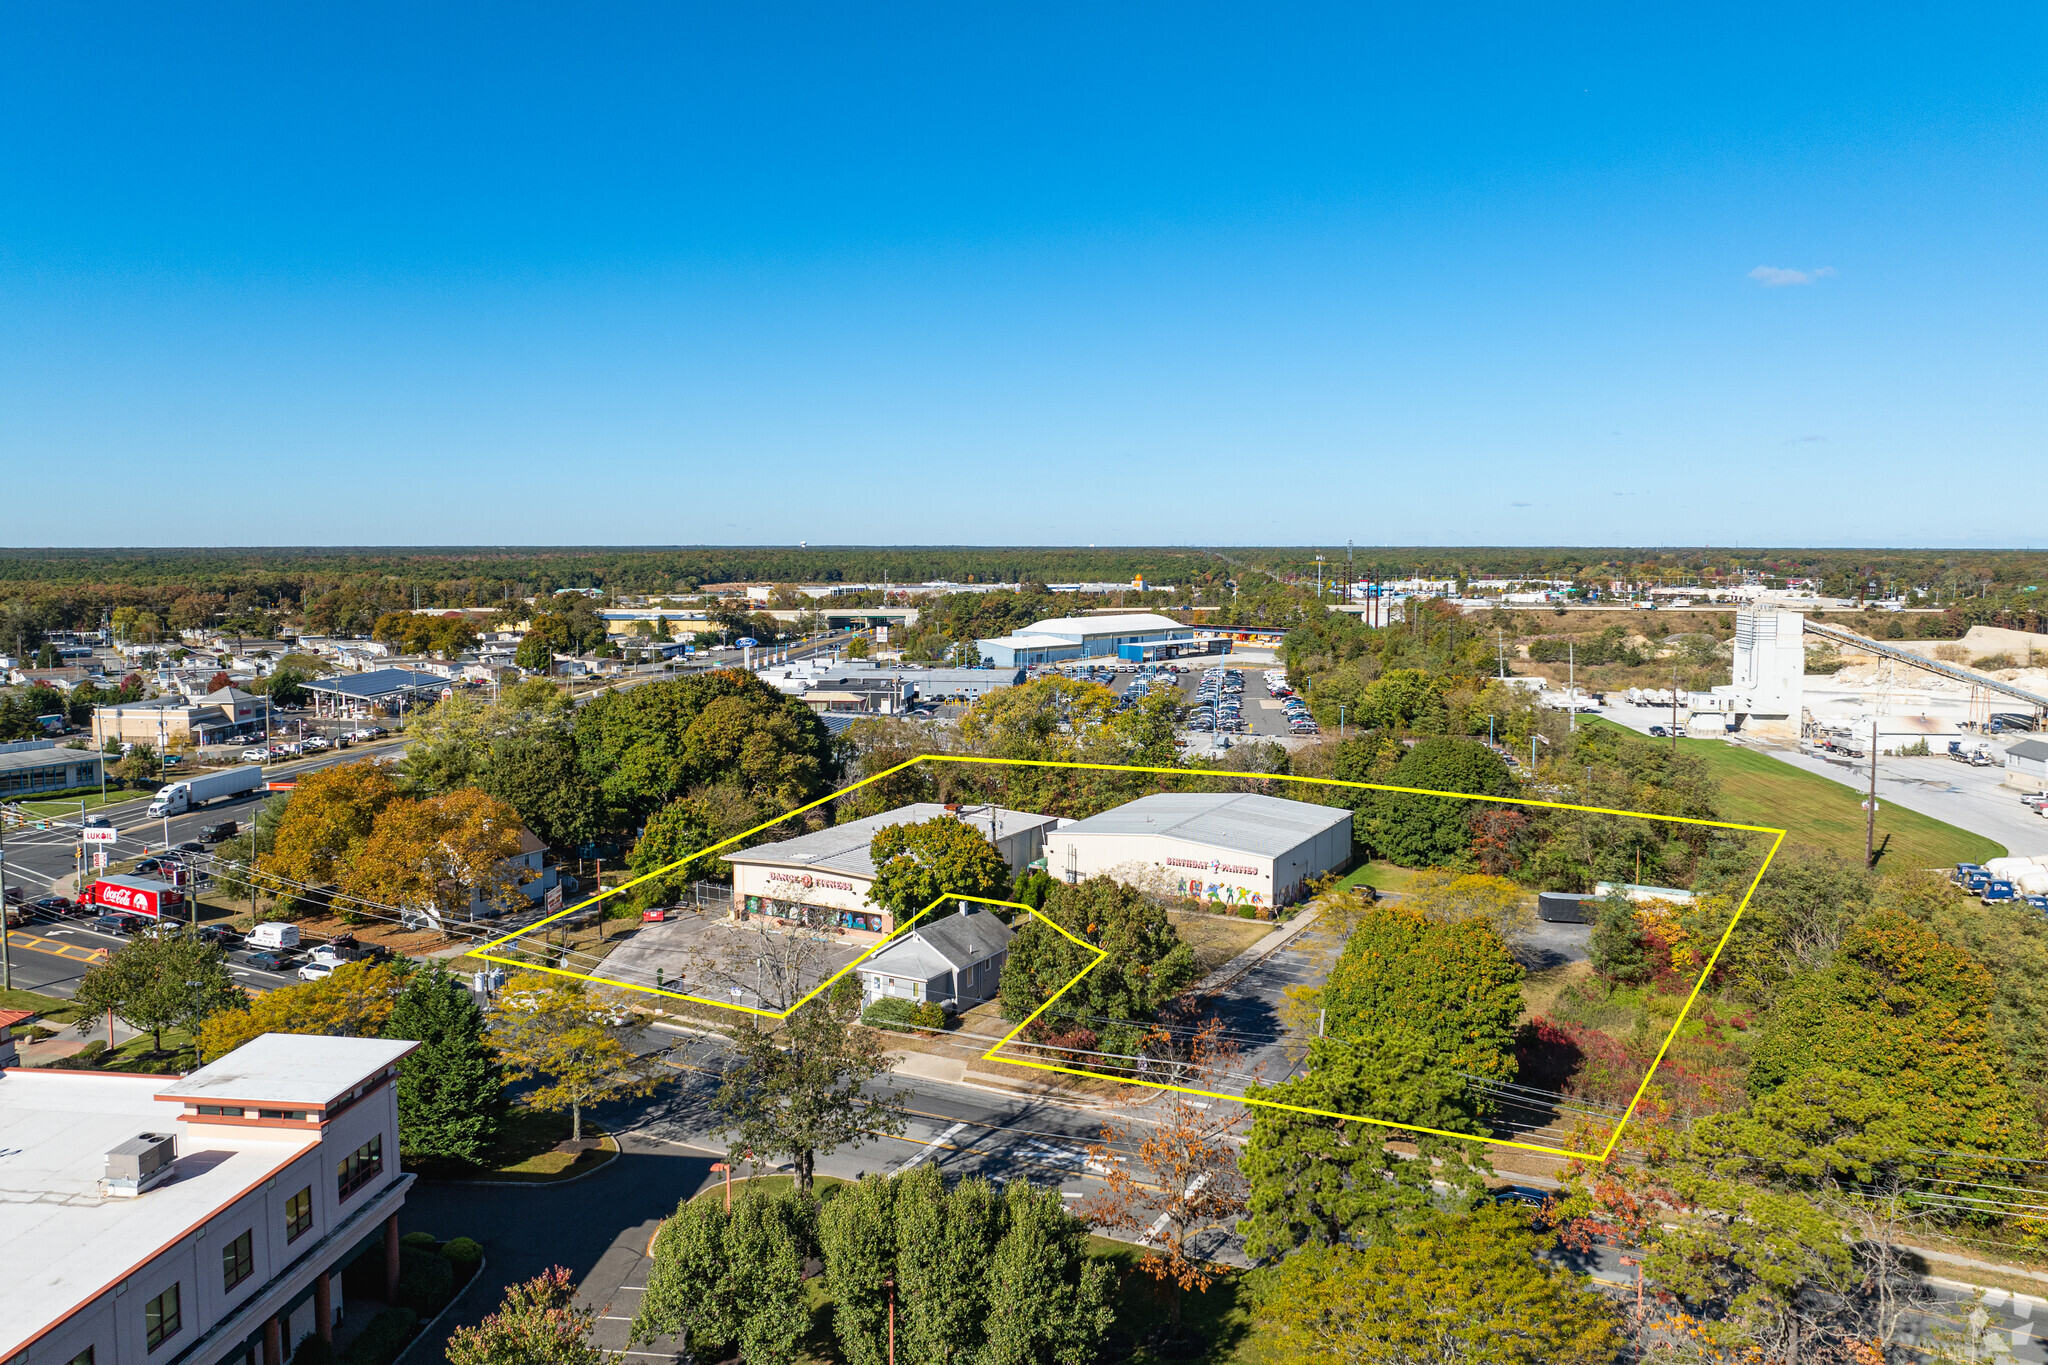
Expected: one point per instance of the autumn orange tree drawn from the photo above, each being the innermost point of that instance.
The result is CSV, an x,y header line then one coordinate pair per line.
x,y
328,821
1178,1183
439,854
354,1002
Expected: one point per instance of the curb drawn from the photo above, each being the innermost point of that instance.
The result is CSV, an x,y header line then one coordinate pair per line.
x,y
1228,974
482,1264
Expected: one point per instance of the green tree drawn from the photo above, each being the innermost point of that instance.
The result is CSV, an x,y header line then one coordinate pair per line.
x,y
995,1279
1616,948
1904,1008
1322,1181
287,687
1146,965
560,1033
1466,1287
157,982
541,776
673,833
805,1095
1427,831
655,743
450,1091
140,767
538,1324
1453,985
534,654
919,863
722,1279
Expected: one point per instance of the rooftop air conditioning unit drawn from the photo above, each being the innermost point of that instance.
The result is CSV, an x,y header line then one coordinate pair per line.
x,y
143,1161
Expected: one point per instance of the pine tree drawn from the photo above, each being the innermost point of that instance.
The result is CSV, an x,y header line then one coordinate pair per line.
x,y
450,1091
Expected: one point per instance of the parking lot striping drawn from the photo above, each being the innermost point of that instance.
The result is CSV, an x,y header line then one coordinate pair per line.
x,y
72,952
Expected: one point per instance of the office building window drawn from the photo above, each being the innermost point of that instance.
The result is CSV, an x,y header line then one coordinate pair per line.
x,y
225,1111
298,1214
238,1260
83,1357
360,1167
160,1318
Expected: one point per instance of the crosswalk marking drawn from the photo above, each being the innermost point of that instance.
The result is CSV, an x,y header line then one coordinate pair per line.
x,y
931,1148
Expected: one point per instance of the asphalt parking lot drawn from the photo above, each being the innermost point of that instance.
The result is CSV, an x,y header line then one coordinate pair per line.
x,y
702,953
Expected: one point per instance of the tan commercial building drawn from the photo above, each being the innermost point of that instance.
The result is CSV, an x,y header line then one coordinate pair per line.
x,y
219,717
824,878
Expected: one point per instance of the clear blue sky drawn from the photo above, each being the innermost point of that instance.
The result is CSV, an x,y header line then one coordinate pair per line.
x,y
1044,273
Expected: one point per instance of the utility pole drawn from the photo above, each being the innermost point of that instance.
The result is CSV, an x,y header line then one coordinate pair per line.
x,y
1674,708
1870,806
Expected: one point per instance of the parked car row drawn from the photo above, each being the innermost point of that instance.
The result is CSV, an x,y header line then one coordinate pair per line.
x,y
1218,705
1299,721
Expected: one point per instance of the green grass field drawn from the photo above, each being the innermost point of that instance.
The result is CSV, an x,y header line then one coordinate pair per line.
x,y
1756,789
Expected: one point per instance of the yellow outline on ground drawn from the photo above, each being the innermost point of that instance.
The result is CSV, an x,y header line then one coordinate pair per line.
x,y
1606,1152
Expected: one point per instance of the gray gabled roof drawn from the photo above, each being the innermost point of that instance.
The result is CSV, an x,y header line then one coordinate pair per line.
x,y
1241,822
945,945
844,848
2029,748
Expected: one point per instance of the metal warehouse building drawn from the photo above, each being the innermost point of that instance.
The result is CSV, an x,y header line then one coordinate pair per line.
x,y
1237,848
1137,636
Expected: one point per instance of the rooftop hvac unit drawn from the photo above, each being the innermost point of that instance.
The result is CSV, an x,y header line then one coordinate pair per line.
x,y
141,1162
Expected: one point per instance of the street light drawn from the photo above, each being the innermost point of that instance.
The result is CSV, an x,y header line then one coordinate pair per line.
x,y
718,1166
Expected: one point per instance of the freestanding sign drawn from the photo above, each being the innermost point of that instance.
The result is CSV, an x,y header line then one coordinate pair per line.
x,y
96,835
553,898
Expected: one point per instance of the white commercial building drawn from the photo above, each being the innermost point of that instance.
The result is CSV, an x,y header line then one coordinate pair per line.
x,y
824,878
205,1220
1236,848
1137,636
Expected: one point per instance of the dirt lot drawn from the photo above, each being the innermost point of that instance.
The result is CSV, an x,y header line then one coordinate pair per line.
x,y
1217,938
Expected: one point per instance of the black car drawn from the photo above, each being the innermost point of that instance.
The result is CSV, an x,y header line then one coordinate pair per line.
x,y
220,833
149,865
54,907
189,847
1659,731
219,934
268,960
119,924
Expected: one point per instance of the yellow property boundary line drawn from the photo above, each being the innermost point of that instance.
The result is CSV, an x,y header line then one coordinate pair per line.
x,y
484,952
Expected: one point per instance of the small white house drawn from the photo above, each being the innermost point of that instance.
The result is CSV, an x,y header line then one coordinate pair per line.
x,y
959,959
2026,765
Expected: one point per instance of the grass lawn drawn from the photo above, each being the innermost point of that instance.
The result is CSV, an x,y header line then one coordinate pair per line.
x,y
50,1007
1380,877
1219,1315
1216,938
1756,789
70,807
135,1054
525,1149
824,1186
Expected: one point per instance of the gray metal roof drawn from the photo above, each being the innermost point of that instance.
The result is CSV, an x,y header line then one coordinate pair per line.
x,y
844,848
1240,821
945,945
2029,748
381,682
47,758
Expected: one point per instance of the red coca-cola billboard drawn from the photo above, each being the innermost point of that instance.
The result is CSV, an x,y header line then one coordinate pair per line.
x,y
136,895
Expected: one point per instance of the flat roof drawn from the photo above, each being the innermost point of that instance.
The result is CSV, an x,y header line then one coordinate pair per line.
x,y
47,758
379,682
70,1242
844,848
299,1070
1242,822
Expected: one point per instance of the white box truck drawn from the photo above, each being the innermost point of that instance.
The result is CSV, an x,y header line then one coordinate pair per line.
x,y
179,797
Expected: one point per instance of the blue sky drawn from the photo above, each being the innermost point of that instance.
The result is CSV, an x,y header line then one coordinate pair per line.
x,y
1017,274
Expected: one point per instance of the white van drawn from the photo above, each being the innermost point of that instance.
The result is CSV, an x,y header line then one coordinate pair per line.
x,y
274,936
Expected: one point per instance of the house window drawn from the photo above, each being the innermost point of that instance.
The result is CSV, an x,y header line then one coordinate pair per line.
x,y
238,1260
361,1166
160,1318
298,1214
